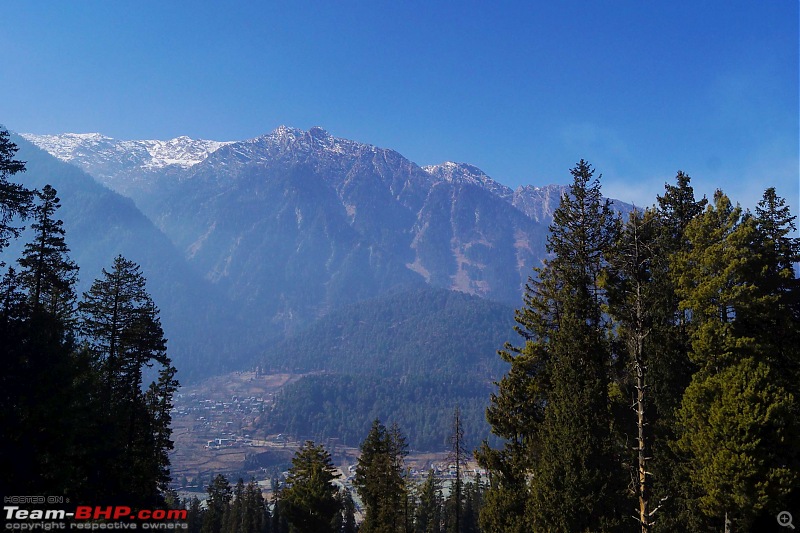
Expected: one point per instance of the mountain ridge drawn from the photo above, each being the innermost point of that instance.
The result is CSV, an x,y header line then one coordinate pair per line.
x,y
86,150
294,223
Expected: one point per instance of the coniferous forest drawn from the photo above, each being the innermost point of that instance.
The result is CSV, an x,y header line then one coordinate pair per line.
x,y
78,418
653,385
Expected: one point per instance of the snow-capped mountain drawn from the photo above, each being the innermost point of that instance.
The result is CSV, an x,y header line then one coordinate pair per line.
x,y
127,167
92,148
294,223
464,173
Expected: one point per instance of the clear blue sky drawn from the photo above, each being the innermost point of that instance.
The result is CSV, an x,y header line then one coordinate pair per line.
x,y
522,90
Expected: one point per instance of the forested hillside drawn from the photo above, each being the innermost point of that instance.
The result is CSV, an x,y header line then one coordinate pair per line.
x,y
409,357
198,319
419,330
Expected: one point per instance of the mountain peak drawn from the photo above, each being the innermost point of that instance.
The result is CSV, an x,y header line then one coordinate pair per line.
x,y
318,133
464,173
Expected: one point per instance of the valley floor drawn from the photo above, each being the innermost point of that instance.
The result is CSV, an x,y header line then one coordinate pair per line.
x,y
216,429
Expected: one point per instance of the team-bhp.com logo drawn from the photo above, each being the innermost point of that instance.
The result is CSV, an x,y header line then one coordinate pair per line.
x,y
94,517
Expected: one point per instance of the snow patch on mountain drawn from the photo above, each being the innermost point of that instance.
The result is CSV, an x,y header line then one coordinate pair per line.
x,y
464,173
83,148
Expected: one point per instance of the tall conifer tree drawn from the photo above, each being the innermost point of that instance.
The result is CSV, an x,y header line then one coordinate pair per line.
x,y
632,298
553,405
309,501
123,331
738,430
379,479
669,367
15,199
47,272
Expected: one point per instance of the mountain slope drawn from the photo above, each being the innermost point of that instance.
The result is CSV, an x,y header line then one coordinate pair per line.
x,y
101,224
351,219
415,330
409,357
295,223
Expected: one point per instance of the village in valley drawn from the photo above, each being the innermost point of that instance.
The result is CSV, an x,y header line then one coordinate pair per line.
x,y
218,429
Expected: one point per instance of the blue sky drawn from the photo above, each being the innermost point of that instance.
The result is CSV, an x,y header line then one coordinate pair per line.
x,y
520,89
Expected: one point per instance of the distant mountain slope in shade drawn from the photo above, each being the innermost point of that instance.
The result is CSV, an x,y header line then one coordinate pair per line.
x,y
409,357
415,330
101,224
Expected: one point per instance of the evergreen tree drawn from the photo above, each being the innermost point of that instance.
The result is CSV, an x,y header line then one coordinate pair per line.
x,y
633,296
40,381
121,324
669,368
309,501
278,523
738,430
673,370
428,518
235,512
554,403
123,332
194,516
379,479
15,200
47,272
39,397
458,458
159,408
348,512
473,502
256,515
219,499
778,254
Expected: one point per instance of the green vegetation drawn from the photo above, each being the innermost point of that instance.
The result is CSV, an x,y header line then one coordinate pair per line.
x,y
656,387
308,501
343,406
420,330
410,357
380,478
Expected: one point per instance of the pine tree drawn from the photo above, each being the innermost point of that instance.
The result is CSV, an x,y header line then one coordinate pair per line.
x,y
121,323
309,499
194,516
234,517
738,429
122,329
379,479
778,254
428,517
348,512
278,523
473,503
40,386
47,272
554,403
670,368
159,407
457,457
633,296
220,495
15,200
